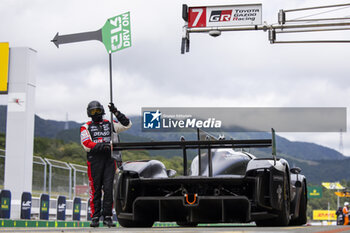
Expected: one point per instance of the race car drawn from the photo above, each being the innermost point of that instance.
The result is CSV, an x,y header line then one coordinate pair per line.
x,y
225,184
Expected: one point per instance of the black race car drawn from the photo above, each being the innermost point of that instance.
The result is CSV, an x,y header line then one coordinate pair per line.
x,y
224,185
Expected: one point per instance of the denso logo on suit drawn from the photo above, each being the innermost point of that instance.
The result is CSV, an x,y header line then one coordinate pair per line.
x,y
101,134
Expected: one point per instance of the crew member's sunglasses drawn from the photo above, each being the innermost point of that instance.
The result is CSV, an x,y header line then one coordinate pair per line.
x,y
95,111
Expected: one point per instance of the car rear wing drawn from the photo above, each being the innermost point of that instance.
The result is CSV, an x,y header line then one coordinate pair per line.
x,y
208,144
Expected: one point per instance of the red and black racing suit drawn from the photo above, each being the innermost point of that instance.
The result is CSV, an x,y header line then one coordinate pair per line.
x,y
101,167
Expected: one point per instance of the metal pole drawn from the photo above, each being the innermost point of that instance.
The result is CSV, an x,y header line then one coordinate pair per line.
x,y
111,91
317,7
338,201
45,176
310,41
313,20
74,179
328,212
199,154
45,169
264,27
184,156
70,180
282,27
273,145
50,175
314,30
210,164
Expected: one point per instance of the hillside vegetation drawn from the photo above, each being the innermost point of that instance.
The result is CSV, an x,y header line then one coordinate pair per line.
x,y
73,152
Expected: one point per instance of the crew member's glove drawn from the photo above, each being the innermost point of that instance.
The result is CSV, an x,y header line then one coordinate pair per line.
x,y
102,147
112,108
120,116
107,147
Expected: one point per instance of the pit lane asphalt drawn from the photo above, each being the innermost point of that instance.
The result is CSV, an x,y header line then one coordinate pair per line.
x,y
210,229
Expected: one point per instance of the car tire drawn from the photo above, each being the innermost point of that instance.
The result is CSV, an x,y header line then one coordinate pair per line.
x,y
283,219
302,218
119,208
130,223
283,215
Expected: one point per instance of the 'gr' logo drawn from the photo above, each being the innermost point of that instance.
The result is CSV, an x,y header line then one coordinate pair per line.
x,y
151,120
220,16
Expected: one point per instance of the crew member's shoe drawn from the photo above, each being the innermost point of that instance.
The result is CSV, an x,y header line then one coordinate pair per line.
x,y
107,221
95,222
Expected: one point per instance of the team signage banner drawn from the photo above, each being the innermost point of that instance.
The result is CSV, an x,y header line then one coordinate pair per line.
x,y
5,204
343,194
223,16
324,215
116,34
44,206
332,185
61,208
76,209
314,191
4,65
26,205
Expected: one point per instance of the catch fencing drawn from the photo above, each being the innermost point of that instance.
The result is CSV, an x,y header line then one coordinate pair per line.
x,y
54,177
2,167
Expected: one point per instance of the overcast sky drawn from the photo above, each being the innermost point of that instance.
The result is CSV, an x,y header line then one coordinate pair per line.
x,y
236,69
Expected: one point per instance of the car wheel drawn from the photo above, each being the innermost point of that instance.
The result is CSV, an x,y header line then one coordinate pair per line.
x,y
283,219
283,215
121,206
130,223
302,218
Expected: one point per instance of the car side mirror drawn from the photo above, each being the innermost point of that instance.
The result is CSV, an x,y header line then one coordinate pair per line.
x,y
295,170
171,172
